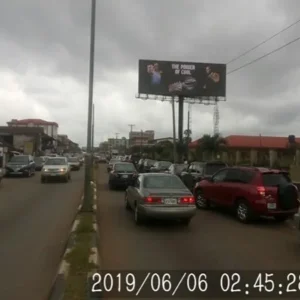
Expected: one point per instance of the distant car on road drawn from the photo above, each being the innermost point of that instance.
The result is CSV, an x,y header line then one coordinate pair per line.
x,y
111,163
250,192
20,165
56,168
74,163
160,196
160,166
39,163
122,175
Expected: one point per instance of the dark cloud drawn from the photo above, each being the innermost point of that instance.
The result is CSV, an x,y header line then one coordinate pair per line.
x,y
52,39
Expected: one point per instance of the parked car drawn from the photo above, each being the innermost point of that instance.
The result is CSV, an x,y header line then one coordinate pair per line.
x,y
199,170
20,165
122,175
160,196
39,163
74,163
251,192
56,168
160,166
145,165
177,169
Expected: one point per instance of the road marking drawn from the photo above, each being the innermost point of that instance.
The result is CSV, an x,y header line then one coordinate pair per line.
x,y
95,226
75,224
94,256
64,269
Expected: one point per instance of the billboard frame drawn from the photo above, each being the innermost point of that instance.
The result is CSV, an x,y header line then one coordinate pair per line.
x,y
195,100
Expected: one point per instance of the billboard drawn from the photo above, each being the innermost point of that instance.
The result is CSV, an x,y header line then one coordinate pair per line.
x,y
170,78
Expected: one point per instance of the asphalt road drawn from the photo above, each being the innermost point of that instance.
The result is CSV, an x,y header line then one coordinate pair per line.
x,y
214,240
35,220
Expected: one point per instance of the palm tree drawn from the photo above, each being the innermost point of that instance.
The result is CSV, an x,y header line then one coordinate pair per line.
x,y
212,144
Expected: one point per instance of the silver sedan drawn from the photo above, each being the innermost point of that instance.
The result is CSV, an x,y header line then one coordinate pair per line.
x,y
160,196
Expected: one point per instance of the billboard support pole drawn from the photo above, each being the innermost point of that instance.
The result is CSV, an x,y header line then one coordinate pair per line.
x,y
174,131
180,125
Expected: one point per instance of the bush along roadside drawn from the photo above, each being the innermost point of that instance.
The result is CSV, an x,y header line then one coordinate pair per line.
x,y
81,259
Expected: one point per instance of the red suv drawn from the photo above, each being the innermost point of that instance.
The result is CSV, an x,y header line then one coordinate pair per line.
x,y
251,192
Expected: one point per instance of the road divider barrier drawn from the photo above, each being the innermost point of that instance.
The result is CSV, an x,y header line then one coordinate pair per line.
x,y
81,258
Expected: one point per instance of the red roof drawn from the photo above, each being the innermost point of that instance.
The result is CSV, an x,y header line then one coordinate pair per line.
x,y
247,141
33,121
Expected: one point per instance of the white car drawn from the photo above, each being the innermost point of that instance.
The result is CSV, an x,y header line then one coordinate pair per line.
x,y
56,168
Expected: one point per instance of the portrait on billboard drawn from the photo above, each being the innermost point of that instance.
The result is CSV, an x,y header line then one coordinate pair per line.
x,y
178,78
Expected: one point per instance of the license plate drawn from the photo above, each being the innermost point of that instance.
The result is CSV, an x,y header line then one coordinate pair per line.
x,y
125,176
170,201
53,174
271,205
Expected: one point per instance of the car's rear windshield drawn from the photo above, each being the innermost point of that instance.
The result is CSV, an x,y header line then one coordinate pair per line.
x,y
55,162
274,179
163,182
213,168
19,159
125,167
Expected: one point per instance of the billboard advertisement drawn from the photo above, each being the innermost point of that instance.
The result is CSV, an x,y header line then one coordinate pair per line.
x,y
170,78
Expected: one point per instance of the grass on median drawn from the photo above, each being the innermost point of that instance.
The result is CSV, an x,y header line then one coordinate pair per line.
x,y
78,259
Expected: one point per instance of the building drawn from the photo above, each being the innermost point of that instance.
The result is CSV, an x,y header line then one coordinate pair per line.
x,y
162,141
65,145
140,138
29,140
121,143
257,149
49,128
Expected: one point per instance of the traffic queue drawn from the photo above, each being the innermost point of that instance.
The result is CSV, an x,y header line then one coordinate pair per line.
x,y
163,190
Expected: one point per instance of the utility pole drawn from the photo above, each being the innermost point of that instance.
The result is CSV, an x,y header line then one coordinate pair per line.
x,y
131,126
87,202
141,145
188,132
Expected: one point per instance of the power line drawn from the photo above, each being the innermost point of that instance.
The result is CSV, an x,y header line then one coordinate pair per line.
x,y
265,55
263,42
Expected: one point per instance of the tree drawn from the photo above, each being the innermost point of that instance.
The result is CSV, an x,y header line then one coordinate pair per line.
x,y
212,144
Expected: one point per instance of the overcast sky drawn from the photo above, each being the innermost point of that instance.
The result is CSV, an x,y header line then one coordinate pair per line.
x,y
44,60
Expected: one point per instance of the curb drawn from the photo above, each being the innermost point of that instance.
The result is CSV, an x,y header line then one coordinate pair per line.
x,y
59,283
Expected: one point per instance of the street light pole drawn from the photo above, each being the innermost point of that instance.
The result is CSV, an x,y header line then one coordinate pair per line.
x,y
93,129
87,202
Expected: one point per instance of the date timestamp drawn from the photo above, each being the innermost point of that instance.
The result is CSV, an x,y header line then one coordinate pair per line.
x,y
180,284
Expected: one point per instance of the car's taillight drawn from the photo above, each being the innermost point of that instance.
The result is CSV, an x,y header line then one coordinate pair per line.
x,y
150,200
261,190
187,200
